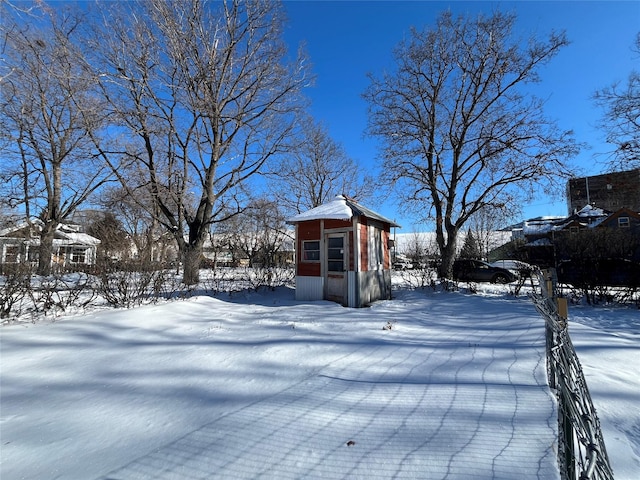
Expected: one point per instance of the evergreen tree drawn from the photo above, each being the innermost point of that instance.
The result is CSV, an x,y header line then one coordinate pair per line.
x,y
471,247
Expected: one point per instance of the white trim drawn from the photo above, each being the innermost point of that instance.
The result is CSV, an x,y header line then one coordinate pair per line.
x,y
356,247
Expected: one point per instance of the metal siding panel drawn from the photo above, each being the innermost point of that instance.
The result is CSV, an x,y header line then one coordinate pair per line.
x,y
374,285
353,299
309,288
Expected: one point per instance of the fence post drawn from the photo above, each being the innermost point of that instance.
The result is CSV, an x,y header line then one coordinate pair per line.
x,y
547,287
557,380
581,451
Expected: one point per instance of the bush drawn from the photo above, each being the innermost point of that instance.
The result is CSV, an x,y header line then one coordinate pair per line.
x,y
422,277
602,279
56,293
15,286
128,284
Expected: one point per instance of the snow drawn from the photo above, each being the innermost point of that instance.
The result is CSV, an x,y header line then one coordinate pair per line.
x,y
593,216
607,340
337,209
257,385
340,208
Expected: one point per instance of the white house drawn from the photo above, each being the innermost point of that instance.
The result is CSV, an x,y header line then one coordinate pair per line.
x,y
19,245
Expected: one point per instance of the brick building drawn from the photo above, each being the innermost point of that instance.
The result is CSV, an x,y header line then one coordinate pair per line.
x,y
609,191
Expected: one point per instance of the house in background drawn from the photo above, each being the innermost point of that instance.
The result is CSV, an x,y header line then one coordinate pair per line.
x,y
625,219
265,249
71,248
585,218
542,235
343,254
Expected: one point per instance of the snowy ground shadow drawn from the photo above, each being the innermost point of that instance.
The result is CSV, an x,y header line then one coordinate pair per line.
x,y
460,406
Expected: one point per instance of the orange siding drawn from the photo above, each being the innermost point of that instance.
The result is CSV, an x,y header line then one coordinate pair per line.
x,y
385,249
364,248
309,230
309,269
330,224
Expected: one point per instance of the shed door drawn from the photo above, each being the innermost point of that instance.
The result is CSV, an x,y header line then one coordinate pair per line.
x,y
336,268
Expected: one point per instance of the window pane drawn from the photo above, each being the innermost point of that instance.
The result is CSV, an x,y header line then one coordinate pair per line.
x,y
311,251
335,242
335,266
312,255
312,245
78,255
335,254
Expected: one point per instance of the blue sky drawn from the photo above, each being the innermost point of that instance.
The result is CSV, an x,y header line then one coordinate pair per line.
x,y
347,39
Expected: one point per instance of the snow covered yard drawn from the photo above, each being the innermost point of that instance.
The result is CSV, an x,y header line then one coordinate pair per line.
x,y
428,385
607,340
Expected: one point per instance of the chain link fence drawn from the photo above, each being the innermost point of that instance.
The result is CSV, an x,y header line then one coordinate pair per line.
x,y
581,451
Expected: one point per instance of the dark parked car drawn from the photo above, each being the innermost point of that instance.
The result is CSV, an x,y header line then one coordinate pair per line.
x,y
479,271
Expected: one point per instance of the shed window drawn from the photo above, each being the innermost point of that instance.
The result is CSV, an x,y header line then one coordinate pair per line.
x,y
311,251
623,222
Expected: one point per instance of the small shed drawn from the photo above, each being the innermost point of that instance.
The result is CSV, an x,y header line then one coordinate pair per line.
x,y
342,253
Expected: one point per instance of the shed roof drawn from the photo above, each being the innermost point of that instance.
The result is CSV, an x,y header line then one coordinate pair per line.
x,y
340,208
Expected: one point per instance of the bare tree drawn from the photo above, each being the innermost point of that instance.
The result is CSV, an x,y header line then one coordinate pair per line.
x,y
49,110
459,132
316,170
486,224
418,247
150,242
621,119
258,234
105,226
208,93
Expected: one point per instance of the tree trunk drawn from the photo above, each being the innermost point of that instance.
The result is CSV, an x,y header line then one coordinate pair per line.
x,y
45,251
191,255
448,253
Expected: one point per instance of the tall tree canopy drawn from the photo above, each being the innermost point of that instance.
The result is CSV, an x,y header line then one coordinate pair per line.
x,y
50,112
315,170
621,118
205,93
459,131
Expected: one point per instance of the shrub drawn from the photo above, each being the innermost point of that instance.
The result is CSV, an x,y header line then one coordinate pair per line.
x,y
15,286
